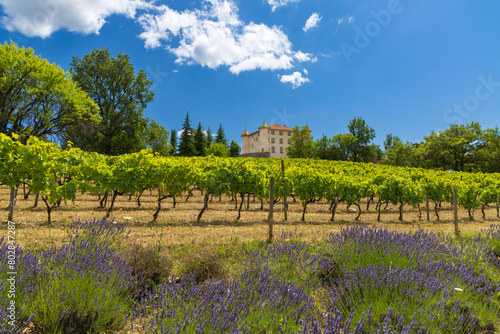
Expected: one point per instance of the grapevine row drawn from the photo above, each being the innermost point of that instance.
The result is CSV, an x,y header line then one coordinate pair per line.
x,y
61,174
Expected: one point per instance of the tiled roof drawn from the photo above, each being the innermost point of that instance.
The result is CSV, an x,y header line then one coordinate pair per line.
x,y
263,125
245,133
280,127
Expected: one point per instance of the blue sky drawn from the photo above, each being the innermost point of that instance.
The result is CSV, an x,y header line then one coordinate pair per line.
x,y
406,67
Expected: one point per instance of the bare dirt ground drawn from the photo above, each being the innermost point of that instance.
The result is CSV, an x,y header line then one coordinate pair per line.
x,y
179,226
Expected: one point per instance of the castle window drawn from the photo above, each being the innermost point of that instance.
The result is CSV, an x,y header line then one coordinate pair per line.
x,y
272,132
288,141
281,140
272,140
272,149
281,133
281,149
289,133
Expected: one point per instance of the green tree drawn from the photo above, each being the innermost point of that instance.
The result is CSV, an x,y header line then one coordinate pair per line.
x,y
343,146
200,141
221,136
121,95
301,143
173,142
364,135
453,148
157,138
209,138
38,98
234,149
322,148
488,155
397,153
218,150
186,144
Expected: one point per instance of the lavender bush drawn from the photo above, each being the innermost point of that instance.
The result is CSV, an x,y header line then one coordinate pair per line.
x,y
362,280
77,288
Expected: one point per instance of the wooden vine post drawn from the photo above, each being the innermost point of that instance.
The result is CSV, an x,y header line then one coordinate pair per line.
x,y
455,212
427,202
271,208
498,206
285,204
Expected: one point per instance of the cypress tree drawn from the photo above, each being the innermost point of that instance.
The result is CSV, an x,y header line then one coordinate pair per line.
x,y
221,136
186,144
200,141
173,142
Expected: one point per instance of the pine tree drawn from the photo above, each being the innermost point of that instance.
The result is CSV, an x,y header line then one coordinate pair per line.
x,y
221,136
186,144
173,142
209,138
200,141
234,149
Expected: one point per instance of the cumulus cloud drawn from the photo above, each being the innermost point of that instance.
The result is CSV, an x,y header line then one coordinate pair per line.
x,y
40,18
312,22
279,3
215,36
296,79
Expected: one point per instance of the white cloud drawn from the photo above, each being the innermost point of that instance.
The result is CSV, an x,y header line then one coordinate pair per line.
x,y
296,79
279,3
346,19
306,72
312,22
215,36
40,18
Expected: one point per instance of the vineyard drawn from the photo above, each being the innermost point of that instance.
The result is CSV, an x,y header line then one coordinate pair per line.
x,y
61,175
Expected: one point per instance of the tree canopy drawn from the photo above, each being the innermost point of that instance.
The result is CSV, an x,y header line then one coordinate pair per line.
x,y
186,144
121,95
38,98
301,143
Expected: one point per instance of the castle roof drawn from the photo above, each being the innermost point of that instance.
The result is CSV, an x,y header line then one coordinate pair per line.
x,y
280,127
263,125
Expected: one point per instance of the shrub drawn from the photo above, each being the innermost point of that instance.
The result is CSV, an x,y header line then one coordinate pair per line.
x,y
148,264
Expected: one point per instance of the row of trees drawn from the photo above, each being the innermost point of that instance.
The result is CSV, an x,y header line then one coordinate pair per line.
x,y
465,147
355,145
197,142
462,147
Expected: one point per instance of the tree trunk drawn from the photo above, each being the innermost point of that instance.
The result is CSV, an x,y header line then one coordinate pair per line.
x,y
139,198
359,209
104,200
304,211
401,204
12,203
205,204
379,204
115,193
49,208
368,202
36,199
334,209
241,204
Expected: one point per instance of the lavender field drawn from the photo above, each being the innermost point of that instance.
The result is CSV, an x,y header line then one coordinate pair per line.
x,y
362,280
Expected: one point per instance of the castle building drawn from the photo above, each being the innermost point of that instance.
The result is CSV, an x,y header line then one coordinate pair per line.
x,y
269,141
